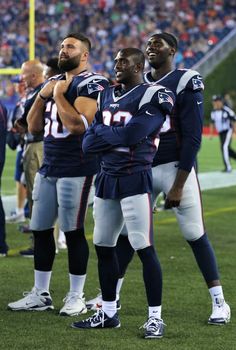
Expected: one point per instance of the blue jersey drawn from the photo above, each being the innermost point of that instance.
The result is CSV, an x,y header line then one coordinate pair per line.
x,y
28,102
63,156
125,133
3,134
180,136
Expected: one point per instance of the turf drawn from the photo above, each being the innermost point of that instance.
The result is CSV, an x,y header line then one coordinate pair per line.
x,y
186,301
209,158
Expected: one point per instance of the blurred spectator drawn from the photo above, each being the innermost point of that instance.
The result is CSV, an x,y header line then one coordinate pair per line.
x,y
10,96
14,38
7,58
113,24
3,133
228,100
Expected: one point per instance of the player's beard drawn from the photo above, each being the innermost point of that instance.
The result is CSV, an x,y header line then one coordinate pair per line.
x,y
70,63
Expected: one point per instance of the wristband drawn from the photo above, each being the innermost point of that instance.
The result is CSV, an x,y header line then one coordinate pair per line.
x,y
42,97
84,120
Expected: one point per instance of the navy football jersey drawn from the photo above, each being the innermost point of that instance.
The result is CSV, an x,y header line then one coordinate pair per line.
x,y
180,136
29,100
63,156
125,132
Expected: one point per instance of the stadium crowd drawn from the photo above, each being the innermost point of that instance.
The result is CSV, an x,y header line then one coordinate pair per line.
x,y
198,24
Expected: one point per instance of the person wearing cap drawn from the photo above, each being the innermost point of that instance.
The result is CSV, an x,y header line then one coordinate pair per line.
x,y
223,119
173,169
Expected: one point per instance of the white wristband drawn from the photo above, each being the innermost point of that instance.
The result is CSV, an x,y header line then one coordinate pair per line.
x,y
84,121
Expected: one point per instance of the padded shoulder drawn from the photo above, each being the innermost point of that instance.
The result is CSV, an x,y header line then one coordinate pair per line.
x,y
190,80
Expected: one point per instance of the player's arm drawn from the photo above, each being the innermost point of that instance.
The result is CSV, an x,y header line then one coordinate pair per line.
x,y
93,143
174,196
19,127
137,129
35,116
75,118
154,105
191,119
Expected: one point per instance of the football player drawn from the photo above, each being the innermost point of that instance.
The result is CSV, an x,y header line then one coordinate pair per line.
x,y
64,108
125,133
180,140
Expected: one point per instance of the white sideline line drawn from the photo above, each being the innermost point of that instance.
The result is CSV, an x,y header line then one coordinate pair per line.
x,y
216,179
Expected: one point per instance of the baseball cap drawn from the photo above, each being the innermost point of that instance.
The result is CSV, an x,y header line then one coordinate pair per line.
x,y
217,98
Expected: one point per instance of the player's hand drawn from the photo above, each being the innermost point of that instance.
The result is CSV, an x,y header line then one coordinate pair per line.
x,y
61,87
173,198
98,128
47,90
19,127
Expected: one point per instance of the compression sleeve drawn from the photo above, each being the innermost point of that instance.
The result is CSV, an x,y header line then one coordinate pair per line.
x,y
191,113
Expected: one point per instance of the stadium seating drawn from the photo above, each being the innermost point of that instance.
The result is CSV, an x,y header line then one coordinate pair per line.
x,y
114,24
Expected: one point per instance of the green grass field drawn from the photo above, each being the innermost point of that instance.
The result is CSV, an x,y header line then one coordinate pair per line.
x,y
186,301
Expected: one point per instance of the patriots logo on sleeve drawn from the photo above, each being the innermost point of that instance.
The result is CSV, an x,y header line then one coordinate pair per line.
x,y
197,84
164,97
94,86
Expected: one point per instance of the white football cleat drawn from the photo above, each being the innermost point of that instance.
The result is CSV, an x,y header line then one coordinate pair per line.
x,y
15,218
61,245
95,303
74,305
35,300
220,313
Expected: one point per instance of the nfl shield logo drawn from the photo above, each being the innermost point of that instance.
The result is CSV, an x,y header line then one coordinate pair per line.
x,y
92,87
197,84
164,97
